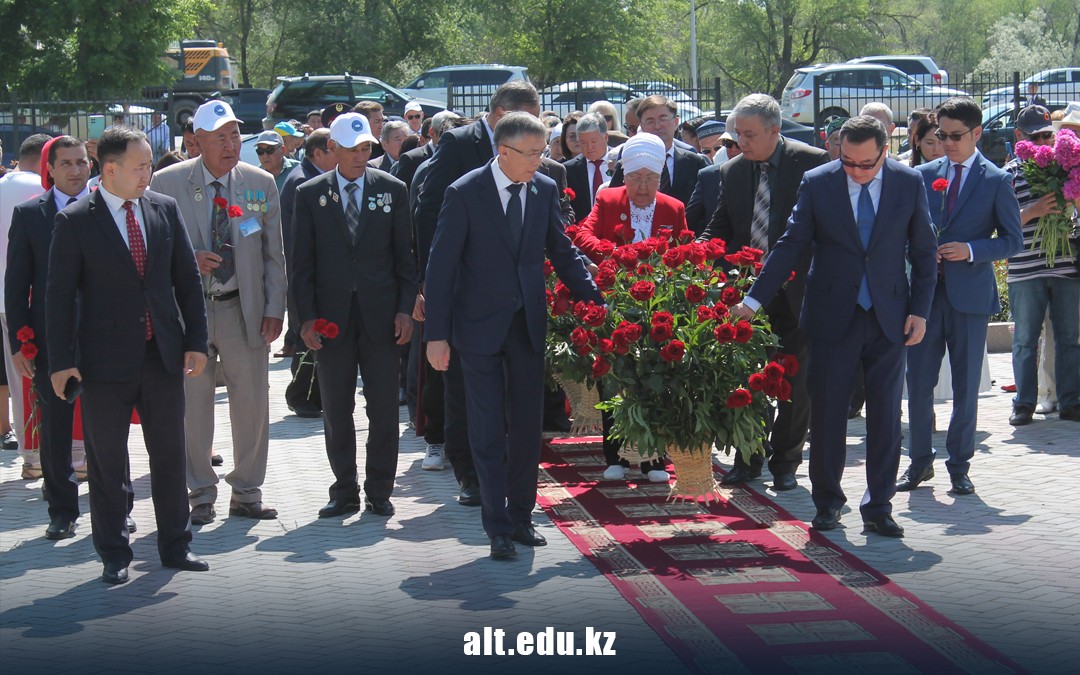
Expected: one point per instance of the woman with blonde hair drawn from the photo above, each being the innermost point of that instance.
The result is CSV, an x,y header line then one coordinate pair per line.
x,y
616,135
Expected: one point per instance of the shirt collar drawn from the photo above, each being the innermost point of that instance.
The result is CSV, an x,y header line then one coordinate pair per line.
x,y
342,182
62,197
490,133
112,201
967,163
874,182
774,158
209,177
501,179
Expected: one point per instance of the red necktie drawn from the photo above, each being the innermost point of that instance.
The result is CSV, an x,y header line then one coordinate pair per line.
x,y
596,177
138,254
954,189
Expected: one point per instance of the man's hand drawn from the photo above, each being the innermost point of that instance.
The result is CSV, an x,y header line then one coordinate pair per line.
x,y
1042,206
403,328
593,269
23,366
742,311
438,354
59,380
418,307
914,329
194,363
309,336
271,328
208,262
956,251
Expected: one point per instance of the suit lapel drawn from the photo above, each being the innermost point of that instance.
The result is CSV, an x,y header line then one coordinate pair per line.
x,y
110,231
886,202
335,204
483,143
492,203
202,206
47,203
152,221
843,200
371,188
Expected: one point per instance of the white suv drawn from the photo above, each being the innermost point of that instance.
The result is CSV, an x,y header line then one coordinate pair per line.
x,y
1062,84
922,68
847,87
472,85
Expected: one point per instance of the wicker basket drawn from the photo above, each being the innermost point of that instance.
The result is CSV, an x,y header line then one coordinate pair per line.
x,y
694,479
586,420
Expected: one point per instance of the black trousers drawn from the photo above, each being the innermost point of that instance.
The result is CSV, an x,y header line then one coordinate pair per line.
x,y
55,417
378,363
456,437
433,404
158,396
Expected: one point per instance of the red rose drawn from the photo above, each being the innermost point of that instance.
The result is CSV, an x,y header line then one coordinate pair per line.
x,y
645,270
626,333
25,334
235,211
549,269
705,314
743,331
663,317
332,330
773,371
561,291
758,381
642,290
733,258
29,350
560,306
730,296
740,398
665,233
625,233
570,194
595,316
673,351
695,293
784,390
718,277
714,249
621,349
605,279
582,350
789,362
661,332
721,311
593,338
754,254
605,248
724,333
579,336
606,345
673,257
940,185
695,253
772,387
320,326
600,367
220,202
758,267
580,307
626,256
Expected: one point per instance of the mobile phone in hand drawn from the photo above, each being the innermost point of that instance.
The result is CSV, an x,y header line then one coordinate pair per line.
x,y
72,390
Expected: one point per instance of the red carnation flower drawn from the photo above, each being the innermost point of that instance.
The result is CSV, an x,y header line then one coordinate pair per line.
x,y
740,398
220,202
743,331
673,351
661,332
724,333
758,381
600,367
235,211
29,350
663,317
320,326
730,296
25,334
695,293
570,194
773,371
705,314
642,290
940,185
332,330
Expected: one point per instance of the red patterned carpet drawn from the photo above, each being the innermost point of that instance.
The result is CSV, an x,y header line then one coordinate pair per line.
x,y
742,586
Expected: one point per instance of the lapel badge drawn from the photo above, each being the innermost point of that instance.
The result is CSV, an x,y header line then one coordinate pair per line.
x,y
198,193
622,216
335,196
532,189
322,200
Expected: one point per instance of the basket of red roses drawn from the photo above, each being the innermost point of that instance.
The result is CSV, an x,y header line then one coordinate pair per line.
x,y
568,353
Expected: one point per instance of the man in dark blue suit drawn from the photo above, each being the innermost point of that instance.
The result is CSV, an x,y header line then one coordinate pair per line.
x,y
863,217
140,327
485,294
978,202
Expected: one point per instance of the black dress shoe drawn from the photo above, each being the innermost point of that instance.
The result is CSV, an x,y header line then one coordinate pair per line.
x,y
130,524
1021,414
962,485
1072,413
340,507
115,573
525,533
216,460
60,527
883,525
470,492
380,507
784,481
826,519
189,562
502,547
307,410
740,474
912,477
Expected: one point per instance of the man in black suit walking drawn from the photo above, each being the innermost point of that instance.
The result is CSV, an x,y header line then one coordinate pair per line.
x,y
758,190
353,265
140,327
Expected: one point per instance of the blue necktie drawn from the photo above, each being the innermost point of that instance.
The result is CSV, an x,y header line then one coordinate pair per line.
x,y
866,226
513,214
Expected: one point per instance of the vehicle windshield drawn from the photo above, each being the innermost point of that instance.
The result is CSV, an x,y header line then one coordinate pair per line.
x,y
794,81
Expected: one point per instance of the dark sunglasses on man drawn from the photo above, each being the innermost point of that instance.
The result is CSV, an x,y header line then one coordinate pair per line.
x,y
729,144
266,151
413,116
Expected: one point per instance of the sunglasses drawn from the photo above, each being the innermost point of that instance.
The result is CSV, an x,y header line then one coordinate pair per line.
x,y
730,144
708,151
413,117
1041,136
266,151
863,167
954,137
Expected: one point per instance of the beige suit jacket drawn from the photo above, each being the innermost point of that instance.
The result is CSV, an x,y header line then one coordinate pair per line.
x,y
259,257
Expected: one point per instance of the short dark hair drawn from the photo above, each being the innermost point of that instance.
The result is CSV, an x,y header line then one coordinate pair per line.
x,y
570,120
514,95
410,143
31,147
365,108
425,128
168,159
516,124
656,101
317,140
862,128
62,142
115,141
963,109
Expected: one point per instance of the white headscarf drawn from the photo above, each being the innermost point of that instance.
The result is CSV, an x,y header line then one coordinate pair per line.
x,y
643,151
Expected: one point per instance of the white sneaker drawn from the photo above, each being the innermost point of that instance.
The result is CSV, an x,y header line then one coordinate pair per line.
x,y
433,460
615,472
1046,407
658,476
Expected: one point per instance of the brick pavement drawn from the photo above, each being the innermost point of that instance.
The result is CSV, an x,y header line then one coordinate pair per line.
x,y
365,593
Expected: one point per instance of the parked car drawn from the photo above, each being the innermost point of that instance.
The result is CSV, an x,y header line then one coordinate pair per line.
x,y
680,97
295,97
472,85
1061,84
565,98
788,129
921,68
249,105
846,88
12,135
999,130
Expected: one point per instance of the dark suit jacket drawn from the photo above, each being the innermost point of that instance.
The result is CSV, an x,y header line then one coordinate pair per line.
x,y
735,205
297,177
476,282
328,270
577,179
89,260
824,221
687,166
986,205
28,269
613,209
702,204
407,163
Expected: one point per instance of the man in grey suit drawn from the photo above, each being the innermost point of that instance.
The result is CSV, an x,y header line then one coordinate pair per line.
x,y
232,216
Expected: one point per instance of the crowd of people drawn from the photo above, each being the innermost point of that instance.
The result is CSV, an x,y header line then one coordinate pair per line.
x,y
138,279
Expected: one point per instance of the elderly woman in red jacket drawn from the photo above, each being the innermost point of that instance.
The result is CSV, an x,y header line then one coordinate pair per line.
x,y
624,215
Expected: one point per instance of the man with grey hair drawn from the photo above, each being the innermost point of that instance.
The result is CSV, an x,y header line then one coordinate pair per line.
x,y
884,114
392,136
758,190
485,281
584,173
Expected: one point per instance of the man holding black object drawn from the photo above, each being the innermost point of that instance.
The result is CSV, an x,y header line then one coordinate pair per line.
x,y
125,254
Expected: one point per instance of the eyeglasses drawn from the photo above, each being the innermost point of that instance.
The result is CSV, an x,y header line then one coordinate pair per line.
x,y
1041,136
266,151
531,156
862,167
729,144
954,137
413,117
649,180
656,121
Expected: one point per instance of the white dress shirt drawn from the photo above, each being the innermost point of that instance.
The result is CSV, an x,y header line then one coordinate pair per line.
x,y
62,199
501,182
119,214
358,196
967,164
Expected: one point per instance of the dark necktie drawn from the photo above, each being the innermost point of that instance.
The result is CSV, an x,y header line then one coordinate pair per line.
x,y
513,214
221,233
138,253
352,211
866,227
759,223
665,179
954,190
597,179
70,201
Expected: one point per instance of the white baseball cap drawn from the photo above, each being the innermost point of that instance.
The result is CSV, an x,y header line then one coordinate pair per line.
x,y
350,130
212,115
413,106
